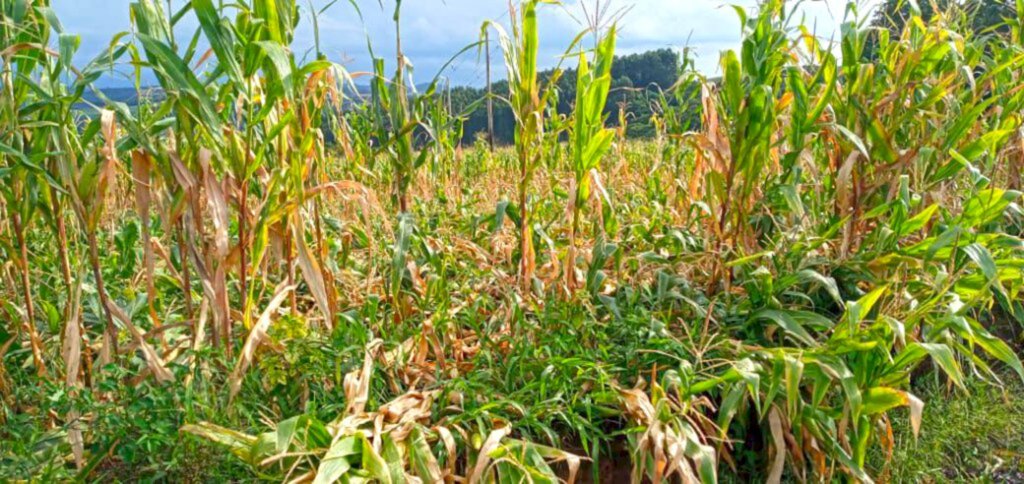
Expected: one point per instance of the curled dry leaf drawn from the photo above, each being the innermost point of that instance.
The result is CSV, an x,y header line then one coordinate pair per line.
x,y
72,352
256,337
218,203
153,360
312,272
484,456
916,409
357,383
779,443
141,167
108,126
450,448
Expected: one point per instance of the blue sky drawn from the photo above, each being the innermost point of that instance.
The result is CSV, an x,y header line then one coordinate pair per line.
x,y
434,30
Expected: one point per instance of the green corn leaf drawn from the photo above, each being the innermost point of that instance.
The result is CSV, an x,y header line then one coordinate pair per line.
x,y
340,458
917,222
177,77
987,205
879,400
941,354
792,322
281,64
220,39
794,369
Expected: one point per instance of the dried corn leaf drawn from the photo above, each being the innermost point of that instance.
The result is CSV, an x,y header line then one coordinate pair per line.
x,y
255,338
483,459
779,443
218,203
312,273
153,361
357,383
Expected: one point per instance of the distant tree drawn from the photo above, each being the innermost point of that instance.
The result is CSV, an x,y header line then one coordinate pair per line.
x,y
984,16
655,67
894,14
987,14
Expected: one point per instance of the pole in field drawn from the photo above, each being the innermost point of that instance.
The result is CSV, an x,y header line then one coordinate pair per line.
x,y
490,99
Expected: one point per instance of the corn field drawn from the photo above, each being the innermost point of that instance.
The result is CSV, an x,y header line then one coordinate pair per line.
x,y
257,273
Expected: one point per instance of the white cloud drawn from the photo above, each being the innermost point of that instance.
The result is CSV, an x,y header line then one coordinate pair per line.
x,y
434,30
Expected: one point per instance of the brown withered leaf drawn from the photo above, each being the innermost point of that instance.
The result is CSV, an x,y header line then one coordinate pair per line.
x,y
255,338
152,358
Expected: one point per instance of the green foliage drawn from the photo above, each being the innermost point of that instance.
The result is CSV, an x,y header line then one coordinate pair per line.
x,y
974,436
811,254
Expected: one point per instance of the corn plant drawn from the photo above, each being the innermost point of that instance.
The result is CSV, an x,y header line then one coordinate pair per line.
x,y
750,85
673,119
395,120
590,139
25,33
271,131
528,100
807,239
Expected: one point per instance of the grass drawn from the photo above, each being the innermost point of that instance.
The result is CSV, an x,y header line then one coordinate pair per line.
x,y
972,437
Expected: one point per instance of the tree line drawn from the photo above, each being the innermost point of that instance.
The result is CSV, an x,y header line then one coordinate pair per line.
x,y
637,80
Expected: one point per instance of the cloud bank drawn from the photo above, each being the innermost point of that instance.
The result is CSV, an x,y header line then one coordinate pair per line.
x,y
434,30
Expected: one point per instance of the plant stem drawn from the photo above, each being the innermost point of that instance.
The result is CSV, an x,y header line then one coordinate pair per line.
x,y
526,244
570,256
94,259
26,286
186,280
243,268
290,269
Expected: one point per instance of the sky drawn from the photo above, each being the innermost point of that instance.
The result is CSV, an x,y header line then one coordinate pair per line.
x,y
434,30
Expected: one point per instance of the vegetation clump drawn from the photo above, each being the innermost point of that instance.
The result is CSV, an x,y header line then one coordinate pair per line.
x,y
808,266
